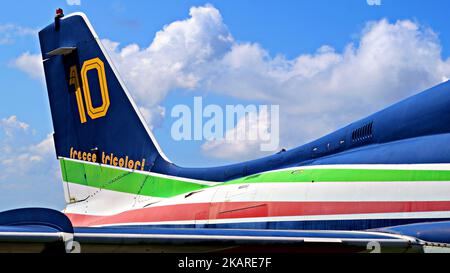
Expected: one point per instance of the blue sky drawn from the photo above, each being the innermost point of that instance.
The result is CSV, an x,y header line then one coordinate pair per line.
x,y
326,63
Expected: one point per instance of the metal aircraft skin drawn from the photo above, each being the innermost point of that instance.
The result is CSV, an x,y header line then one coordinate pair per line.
x,y
380,182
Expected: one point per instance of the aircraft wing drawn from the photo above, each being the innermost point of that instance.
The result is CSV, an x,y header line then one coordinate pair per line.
x,y
240,240
35,230
45,230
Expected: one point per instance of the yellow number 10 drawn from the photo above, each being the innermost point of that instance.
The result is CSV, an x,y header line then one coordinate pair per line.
x,y
93,112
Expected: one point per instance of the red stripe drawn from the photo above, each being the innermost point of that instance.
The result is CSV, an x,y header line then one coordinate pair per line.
x,y
233,210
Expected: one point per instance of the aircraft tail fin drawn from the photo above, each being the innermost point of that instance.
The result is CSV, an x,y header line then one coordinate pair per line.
x,y
94,117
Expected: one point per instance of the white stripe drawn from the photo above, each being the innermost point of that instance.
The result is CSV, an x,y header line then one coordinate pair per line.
x,y
101,202
318,192
106,202
342,191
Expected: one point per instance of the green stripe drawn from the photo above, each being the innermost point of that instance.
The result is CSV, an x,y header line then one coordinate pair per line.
x,y
105,177
346,175
108,178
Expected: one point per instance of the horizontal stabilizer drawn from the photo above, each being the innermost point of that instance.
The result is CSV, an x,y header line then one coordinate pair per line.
x,y
61,51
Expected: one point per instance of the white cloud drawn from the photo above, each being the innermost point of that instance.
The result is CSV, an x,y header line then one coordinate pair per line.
x,y
177,58
44,147
19,153
12,124
244,140
31,64
153,116
30,173
10,32
73,2
390,62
